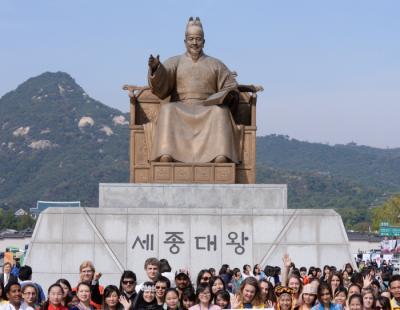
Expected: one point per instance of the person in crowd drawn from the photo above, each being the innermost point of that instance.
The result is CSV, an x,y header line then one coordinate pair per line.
x,y
382,303
303,275
182,281
171,299
267,293
88,275
236,280
29,295
295,283
326,274
354,289
25,277
146,299
187,299
246,271
217,284
113,300
270,273
204,297
249,295
349,269
258,273
83,294
204,276
222,298
212,271
346,279
340,296
13,294
55,296
355,302
67,289
335,281
394,288
368,299
162,284
2,294
312,274
225,273
127,285
357,278
325,297
308,297
6,276
152,269
285,299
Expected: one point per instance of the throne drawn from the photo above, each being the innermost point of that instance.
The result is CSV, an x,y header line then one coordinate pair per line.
x,y
144,107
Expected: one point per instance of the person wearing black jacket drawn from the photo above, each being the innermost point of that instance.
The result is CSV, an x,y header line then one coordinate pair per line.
x,y
127,285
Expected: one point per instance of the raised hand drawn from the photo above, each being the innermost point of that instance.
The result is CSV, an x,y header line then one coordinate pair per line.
x,y
367,281
126,303
97,276
287,262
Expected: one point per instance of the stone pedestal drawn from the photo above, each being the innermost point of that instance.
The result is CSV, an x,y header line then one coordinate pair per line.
x,y
207,173
193,226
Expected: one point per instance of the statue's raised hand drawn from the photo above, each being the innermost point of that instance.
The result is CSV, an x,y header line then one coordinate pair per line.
x,y
154,62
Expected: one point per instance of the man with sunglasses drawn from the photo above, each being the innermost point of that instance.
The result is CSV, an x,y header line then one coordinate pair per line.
x,y
162,284
127,285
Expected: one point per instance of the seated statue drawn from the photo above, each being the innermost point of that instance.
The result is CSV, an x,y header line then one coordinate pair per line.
x,y
195,123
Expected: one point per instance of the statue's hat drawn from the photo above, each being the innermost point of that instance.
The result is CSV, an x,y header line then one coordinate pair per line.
x,y
194,23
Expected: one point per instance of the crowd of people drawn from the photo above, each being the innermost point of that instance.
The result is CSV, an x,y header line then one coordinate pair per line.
x,y
291,288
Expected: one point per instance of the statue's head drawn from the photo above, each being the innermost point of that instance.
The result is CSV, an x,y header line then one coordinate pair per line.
x,y
194,37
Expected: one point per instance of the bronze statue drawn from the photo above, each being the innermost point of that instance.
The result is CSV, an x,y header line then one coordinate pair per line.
x,y
194,124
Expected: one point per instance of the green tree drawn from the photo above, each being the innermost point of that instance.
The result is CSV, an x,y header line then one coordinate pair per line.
x,y
389,212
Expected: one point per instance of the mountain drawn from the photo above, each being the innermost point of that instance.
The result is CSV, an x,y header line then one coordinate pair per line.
x,y
58,143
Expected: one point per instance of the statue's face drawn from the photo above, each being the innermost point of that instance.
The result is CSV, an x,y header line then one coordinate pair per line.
x,y
194,41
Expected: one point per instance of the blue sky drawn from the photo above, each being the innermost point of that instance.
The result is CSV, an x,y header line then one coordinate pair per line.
x,y
330,69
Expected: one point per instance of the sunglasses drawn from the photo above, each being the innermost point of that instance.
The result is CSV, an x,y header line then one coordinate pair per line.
x,y
206,278
126,282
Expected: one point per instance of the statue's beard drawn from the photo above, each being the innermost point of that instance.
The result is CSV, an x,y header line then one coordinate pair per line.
x,y
195,52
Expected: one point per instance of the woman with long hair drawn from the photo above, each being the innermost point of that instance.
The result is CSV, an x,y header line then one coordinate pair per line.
x,y
204,276
217,284
29,295
308,297
335,280
223,299
146,299
67,289
204,297
171,299
258,273
188,298
368,299
325,297
295,283
113,300
340,297
267,293
249,295
83,294
55,295
355,302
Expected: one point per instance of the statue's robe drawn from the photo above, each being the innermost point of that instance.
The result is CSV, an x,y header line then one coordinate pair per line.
x,y
195,125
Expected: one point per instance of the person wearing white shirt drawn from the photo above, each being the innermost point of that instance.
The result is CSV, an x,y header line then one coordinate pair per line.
x,y
14,296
